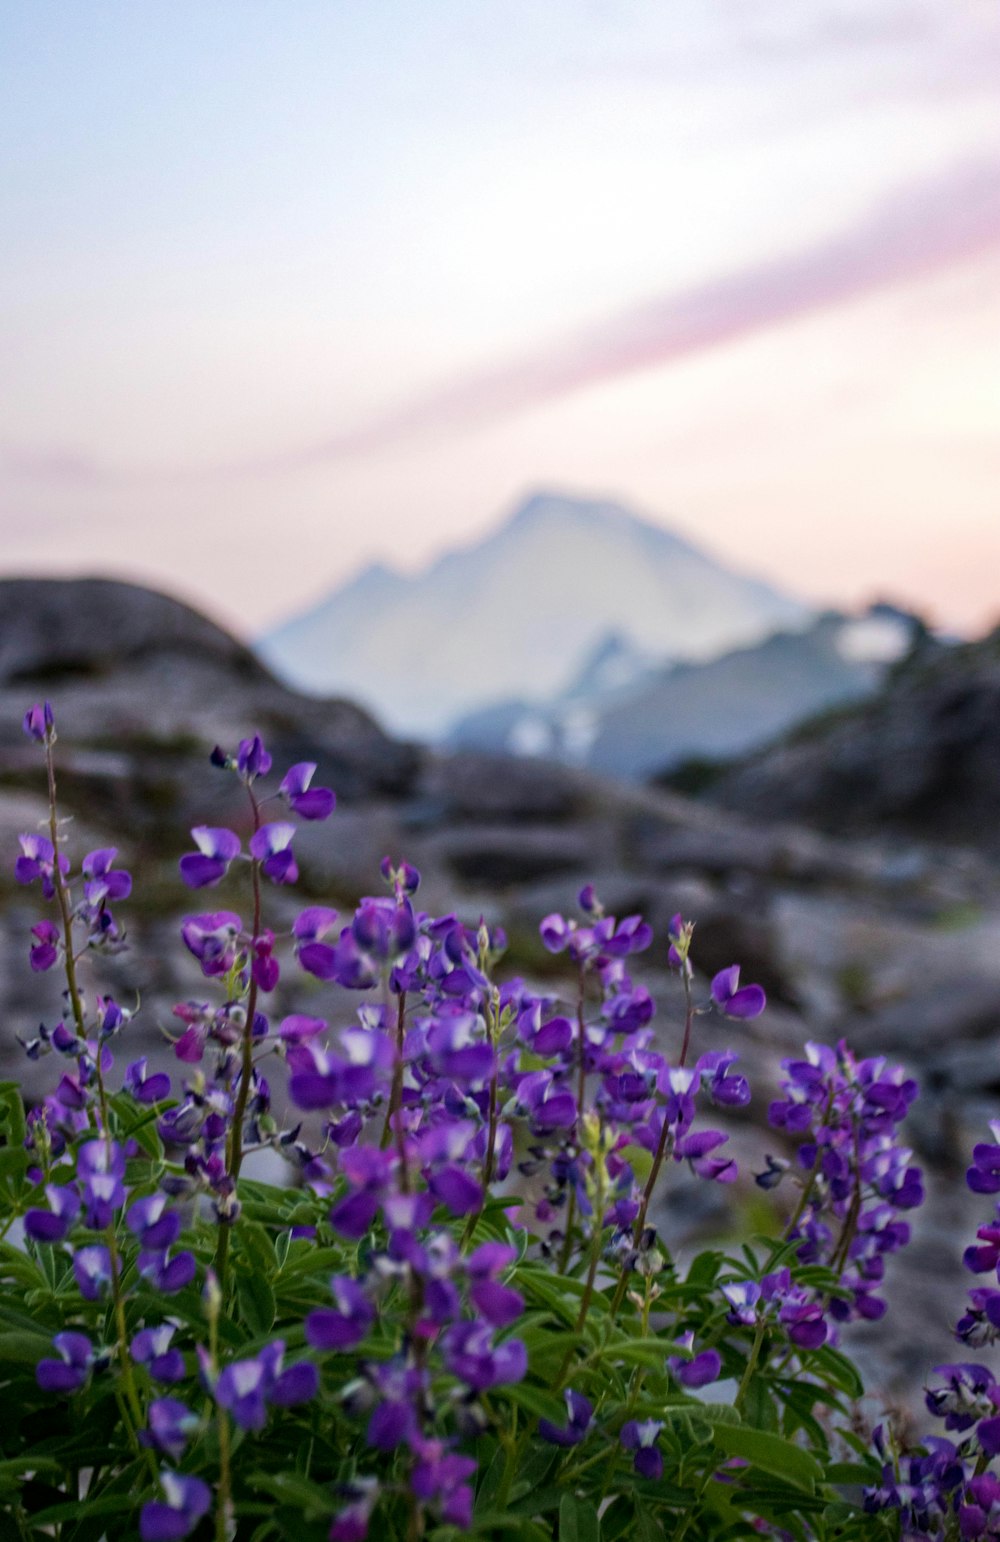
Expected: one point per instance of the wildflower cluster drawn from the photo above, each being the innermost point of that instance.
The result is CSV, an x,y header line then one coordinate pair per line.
x,y
458,1315
946,1488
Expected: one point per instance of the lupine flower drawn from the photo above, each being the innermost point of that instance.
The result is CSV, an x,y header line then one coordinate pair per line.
x,y
246,1387
216,850
348,1325
252,759
271,846
46,950
308,802
101,881
53,1225
214,940
966,1397
698,1370
185,1501
145,1089
439,1476
70,1371
39,723
351,1523
311,926
734,1001
101,1168
642,1439
469,1353
152,1348
38,861
165,1274
579,1413
155,1226
171,1425
92,1268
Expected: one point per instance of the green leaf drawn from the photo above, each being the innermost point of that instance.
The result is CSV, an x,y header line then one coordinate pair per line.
x,y
23,1348
853,1472
255,1299
647,1527
292,1488
759,1407
835,1368
772,1453
12,1120
578,1520
535,1400
704,1269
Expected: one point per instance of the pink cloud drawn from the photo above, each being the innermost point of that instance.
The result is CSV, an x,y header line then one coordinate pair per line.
x,y
911,234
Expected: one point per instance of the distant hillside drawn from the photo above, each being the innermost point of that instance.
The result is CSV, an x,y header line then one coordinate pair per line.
x,y
519,613
144,686
922,758
627,719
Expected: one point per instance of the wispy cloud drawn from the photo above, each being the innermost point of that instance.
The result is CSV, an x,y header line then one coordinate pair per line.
x,y
914,233
917,231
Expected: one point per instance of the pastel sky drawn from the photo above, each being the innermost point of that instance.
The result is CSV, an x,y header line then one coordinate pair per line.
x,y
291,285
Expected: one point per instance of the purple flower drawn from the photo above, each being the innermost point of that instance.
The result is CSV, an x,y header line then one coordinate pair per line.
x,y
749,1001
151,1347
297,1028
210,863
171,1425
101,881
185,1501
469,1353
555,933
70,1371
252,759
38,861
145,1089
314,955
698,1371
165,1274
271,846
155,1226
642,1439
101,1168
45,950
39,723
966,1397
984,1176
308,802
92,1268
743,1296
52,1225
246,1387
348,1325
439,1476
351,1523
213,939
579,1412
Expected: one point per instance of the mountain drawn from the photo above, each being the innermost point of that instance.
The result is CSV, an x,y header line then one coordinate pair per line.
x,y
517,613
625,718
922,758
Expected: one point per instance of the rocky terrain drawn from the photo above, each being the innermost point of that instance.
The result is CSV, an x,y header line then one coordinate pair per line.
x,y
922,759
884,936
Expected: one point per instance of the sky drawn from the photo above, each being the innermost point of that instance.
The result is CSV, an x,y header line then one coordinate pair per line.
x,y
290,286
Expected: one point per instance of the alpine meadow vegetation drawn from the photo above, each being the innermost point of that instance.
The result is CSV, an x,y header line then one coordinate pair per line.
x,y
456,1317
